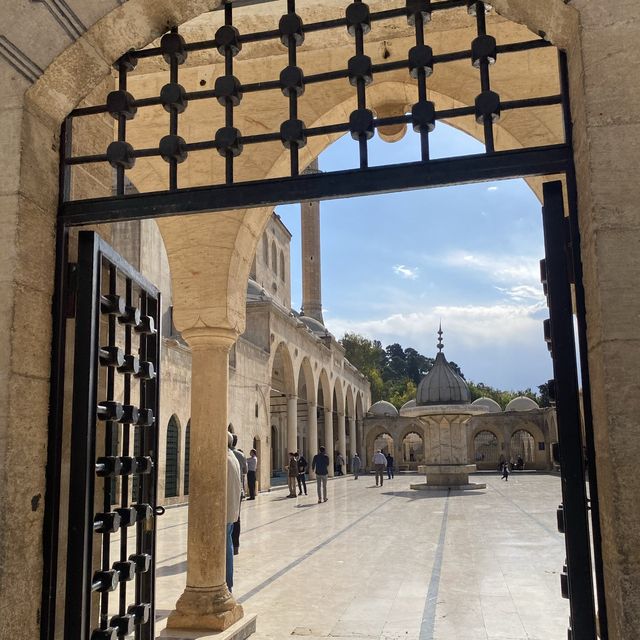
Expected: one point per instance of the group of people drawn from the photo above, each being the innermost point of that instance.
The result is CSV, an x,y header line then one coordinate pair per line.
x,y
380,463
506,467
242,471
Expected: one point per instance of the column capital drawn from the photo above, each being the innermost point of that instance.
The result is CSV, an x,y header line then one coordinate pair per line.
x,y
210,337
312,403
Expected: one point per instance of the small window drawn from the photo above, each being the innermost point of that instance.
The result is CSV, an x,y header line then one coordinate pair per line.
x,y
256,409
265,249
282,266
274,258
540,446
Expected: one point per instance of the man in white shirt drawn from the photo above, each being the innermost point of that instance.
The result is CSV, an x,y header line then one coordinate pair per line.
x,y
234,493
379,463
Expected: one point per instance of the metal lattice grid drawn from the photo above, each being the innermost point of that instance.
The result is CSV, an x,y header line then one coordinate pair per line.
x,y
115,392
420,63
187,454
171,460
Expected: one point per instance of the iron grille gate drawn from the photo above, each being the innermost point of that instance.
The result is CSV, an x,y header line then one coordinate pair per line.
x,y
112,451
230,143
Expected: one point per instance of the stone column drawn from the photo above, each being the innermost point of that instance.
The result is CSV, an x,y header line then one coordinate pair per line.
x,y
292,424
312,425
342,437
353,445
206,602
328,438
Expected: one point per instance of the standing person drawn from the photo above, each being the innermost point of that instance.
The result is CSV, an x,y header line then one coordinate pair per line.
x,y
339,463
242,461
379,462
320,464
355,465
234,492
389,466
252,468
505,471
292,474
303,465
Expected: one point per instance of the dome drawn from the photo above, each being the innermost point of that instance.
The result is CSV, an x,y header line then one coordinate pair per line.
x,y
522,404
382,408
489,404
407,406
313,325
256,292
442,385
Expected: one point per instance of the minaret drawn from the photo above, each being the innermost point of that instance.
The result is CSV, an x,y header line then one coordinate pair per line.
x,y
311,269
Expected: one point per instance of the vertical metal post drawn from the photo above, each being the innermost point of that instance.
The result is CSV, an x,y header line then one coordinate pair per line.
x,y
82,465
568,414
581,317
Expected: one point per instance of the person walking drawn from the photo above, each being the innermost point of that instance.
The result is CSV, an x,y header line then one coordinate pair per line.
x,y
320,464
355,465
292,474
303,465
389,466
252,468
505,472
339,464
234,494
379,463
242,461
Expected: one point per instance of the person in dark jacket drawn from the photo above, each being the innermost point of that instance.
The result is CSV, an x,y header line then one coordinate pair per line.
x,y
303,465
389,466
320,464
292,474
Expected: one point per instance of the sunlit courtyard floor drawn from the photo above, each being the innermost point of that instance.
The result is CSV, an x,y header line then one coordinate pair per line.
x,y
392,563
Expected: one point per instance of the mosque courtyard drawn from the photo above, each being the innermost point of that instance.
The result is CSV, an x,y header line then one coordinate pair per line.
x,y
390,563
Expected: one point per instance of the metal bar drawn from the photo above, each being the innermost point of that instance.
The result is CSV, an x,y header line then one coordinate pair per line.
x,y
323,186
568,414
585,377
108,451
55,439
82,445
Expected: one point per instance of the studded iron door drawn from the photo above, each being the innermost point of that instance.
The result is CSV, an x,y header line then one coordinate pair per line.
x,y
578,515
111,452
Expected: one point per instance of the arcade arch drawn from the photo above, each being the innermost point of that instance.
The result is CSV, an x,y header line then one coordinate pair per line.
x,y
486,449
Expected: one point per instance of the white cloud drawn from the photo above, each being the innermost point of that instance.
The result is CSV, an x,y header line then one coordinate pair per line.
x,y
500,344
524,293
409,273
519,270
493,188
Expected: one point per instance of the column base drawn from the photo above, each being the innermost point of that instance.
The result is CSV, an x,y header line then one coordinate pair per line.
x,y
212,608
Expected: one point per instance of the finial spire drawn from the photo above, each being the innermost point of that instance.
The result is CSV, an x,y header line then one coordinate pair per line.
x,y
440,343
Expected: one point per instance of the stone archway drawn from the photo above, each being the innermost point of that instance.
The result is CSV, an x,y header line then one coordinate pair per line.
x,y
604,146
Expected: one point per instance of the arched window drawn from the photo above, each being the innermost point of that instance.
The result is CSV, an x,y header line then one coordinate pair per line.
x,y
523,446
171,460
282,266
274,258
187,449
265,249
486,447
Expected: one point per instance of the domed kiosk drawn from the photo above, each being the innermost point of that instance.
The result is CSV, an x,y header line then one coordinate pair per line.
x,y
382,408
443,405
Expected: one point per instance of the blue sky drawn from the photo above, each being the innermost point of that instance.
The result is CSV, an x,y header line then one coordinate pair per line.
x,y
394,265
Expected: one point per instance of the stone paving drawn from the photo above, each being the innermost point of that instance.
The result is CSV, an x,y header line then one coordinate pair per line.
x,y
391,563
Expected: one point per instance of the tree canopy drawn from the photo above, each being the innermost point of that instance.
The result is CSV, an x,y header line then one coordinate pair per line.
x,y
394,373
